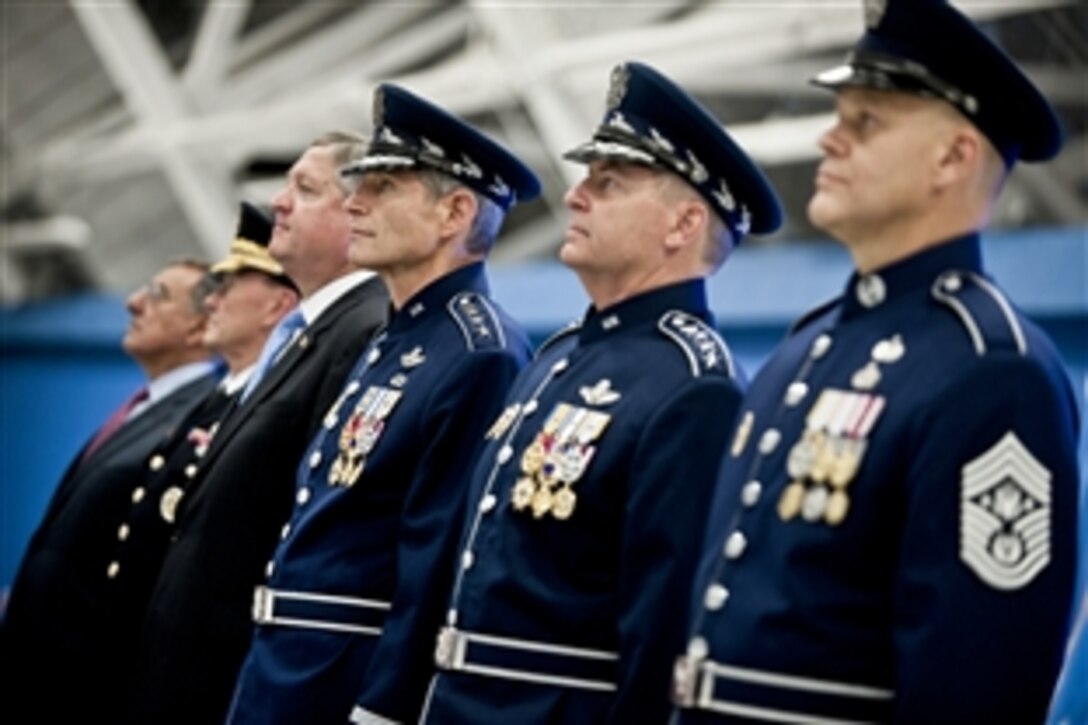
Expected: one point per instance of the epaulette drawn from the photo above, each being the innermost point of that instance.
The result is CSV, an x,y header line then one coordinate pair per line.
x,y
478,321
986,314
812,314
701,344
567,330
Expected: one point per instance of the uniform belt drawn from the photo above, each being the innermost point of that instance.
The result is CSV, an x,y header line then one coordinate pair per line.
x,y
314,610
761,695
525,660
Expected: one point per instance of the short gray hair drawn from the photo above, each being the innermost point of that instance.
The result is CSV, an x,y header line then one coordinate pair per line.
x,y
489,215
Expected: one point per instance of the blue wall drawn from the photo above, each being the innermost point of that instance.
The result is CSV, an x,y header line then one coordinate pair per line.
x,y
62,371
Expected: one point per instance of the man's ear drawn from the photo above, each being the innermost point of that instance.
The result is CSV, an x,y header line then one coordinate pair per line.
x,y
457,209
690,221
959,157
194,336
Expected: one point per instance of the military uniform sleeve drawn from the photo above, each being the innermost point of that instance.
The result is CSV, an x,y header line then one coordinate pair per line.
x,y
459,411
988,553
671,484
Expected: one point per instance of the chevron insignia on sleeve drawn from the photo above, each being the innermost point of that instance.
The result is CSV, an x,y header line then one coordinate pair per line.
x,y
1005,515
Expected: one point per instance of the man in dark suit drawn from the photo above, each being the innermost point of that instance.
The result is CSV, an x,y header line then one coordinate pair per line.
x,y
60,625
894,538
248,296
198,623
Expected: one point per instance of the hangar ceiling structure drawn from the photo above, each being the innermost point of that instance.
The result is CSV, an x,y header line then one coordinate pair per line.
x,y
130,129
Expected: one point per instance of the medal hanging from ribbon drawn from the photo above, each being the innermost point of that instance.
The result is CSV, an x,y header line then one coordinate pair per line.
x,y
556,459
360,434
823,463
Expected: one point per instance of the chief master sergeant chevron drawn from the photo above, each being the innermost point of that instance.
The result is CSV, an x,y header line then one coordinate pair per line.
x,y
894,538
356,588
587,506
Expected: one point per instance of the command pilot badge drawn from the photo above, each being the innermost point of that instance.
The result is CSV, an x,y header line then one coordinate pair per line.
x,y
1005,515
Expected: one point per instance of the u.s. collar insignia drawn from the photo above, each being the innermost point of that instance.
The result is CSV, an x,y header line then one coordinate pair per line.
x,y
617,87
377,113
599,394
1005,515
874,12
413,358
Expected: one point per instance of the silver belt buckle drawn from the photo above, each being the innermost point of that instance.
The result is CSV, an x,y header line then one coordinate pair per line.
x,y
685,680
263,601
449,652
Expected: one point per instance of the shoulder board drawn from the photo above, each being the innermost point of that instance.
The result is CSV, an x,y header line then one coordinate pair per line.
x,y
984,311
812,314
701,344
478,320
571,328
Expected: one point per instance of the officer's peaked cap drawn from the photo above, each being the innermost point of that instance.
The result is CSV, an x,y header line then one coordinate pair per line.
x,y
650,120
249,250
412,133
929,48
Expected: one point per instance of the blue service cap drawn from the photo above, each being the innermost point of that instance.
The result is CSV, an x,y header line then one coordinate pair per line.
x,y
411,133
650,120
927,47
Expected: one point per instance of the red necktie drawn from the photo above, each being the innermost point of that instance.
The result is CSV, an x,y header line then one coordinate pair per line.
x,y
114,423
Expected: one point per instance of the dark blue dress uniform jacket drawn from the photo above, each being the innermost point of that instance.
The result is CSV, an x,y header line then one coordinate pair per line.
x,y
893,536
364,567
585,521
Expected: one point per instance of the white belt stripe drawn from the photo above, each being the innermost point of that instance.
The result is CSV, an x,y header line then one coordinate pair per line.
x,y
522,675
762,677
265,600
525,644
322,625
773,715
327,599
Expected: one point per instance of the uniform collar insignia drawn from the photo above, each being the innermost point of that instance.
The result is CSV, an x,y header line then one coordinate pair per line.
x,y
599,394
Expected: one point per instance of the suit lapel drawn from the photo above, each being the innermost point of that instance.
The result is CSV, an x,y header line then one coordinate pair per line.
x,y
299,350
128,434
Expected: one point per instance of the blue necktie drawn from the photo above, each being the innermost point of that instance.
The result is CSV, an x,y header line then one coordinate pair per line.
x,y
277,341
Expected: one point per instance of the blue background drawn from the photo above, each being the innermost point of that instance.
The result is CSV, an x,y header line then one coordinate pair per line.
x,y
62,370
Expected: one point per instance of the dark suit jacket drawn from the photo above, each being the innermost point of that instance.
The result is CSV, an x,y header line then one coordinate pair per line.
x,y
198,624
63,627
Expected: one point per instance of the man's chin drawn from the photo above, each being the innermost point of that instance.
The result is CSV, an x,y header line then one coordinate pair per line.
x,y
822,212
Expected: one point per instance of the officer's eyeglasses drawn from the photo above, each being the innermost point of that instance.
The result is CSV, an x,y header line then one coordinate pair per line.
x,y
155,291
